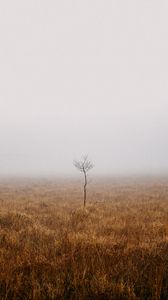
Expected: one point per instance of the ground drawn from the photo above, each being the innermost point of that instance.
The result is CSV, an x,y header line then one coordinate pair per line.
x,y
52,248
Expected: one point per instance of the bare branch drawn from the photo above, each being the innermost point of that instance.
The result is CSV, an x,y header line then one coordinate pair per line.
x,y
83,165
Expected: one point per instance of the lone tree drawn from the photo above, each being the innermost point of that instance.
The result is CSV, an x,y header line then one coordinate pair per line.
x,y
84,165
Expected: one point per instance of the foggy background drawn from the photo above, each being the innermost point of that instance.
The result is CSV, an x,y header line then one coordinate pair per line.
x,y
81,77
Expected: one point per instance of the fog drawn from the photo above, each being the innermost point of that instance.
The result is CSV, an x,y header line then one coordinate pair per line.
x,y
81,77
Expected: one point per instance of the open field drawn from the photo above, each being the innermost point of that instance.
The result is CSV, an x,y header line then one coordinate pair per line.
x,y
51,248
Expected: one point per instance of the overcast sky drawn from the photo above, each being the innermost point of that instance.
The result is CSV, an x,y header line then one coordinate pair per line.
x,y
82,77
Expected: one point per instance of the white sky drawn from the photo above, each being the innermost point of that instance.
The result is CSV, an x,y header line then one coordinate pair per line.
x,y
82,77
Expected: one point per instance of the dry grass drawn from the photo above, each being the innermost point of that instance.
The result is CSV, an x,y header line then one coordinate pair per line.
x,y
50,248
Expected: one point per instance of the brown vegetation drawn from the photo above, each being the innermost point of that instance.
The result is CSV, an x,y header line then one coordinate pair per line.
x,y
51,248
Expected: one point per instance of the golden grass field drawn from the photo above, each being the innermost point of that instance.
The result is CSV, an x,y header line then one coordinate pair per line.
x,y
51,248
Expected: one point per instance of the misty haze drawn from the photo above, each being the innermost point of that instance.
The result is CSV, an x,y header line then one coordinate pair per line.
x,y
82,78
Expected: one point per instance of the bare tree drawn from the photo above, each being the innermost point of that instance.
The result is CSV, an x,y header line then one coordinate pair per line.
x,y
84,165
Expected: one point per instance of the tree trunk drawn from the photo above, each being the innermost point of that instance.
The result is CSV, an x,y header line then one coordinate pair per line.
x,y
85,184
